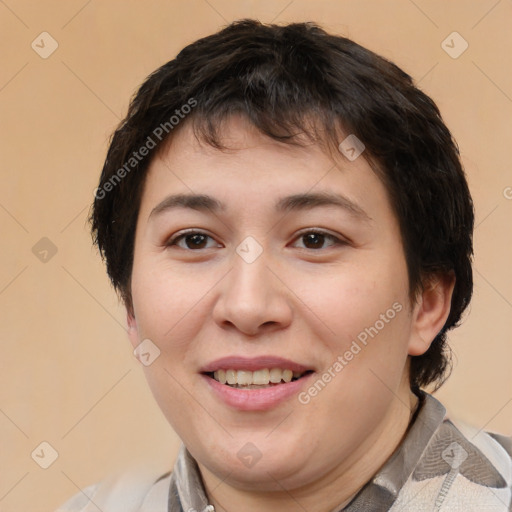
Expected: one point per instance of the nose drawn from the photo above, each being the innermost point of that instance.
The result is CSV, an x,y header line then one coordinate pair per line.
x,y
252,299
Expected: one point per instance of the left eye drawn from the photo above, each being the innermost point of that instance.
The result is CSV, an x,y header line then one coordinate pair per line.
x,y
316,239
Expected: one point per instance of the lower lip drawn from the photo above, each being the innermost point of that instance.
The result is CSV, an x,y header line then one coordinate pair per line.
x,y
257,399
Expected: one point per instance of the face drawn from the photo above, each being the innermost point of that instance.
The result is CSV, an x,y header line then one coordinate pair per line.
x,y
291,268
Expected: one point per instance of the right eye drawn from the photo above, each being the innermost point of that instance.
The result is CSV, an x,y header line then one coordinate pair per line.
x,y
191,240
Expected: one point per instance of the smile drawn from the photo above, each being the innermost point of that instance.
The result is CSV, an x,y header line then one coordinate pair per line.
x,y
255,384
266,377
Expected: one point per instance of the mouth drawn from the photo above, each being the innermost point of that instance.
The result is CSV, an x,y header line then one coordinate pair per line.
x,y
259,379
255,384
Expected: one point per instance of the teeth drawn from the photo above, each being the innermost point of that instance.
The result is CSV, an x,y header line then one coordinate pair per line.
x,y
261,377
258,378
220,375
230,376
276,375
244,378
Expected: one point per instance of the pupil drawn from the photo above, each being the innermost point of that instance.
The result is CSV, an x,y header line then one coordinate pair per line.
x,y
196,240
315,239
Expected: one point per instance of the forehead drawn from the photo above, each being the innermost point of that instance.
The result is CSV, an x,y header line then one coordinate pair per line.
x,y
254,169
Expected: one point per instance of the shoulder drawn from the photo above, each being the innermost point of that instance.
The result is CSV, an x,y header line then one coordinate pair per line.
x,y
504,441
491,448
133,492
475,445
460,467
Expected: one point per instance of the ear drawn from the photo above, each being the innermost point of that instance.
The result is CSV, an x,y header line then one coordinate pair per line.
x,y
133,331
430,311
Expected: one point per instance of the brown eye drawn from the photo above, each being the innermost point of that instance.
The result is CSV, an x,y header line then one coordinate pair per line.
x,y
192,240
319,240
196,241
313,240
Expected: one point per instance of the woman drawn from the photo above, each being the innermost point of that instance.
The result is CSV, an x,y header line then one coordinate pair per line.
x,y
288,223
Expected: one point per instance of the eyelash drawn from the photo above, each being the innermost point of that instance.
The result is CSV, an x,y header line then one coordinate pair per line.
x,y
336,241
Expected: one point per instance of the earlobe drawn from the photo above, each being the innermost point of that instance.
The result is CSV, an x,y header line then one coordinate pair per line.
x,y
430,312
133,332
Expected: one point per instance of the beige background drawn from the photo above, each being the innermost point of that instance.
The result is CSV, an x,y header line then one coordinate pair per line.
x,y
68,374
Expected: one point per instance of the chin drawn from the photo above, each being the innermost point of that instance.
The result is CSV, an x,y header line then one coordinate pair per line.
x,y
264,467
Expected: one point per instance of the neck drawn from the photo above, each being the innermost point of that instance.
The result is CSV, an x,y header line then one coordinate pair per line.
x,y
333,490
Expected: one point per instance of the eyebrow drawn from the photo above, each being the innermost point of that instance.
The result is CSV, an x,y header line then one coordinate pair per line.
x,y
295,202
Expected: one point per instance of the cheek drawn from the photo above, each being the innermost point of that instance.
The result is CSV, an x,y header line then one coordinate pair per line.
x,y
176,400
365,315
167,303
356,301
373,327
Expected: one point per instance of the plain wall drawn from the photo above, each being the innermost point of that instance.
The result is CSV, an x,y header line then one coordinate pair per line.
x,y
68,374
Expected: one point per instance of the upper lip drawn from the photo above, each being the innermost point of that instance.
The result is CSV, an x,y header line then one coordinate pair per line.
x,y
253,364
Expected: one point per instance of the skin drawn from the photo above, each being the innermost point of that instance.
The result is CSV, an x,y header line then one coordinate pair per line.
x,y
299,301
